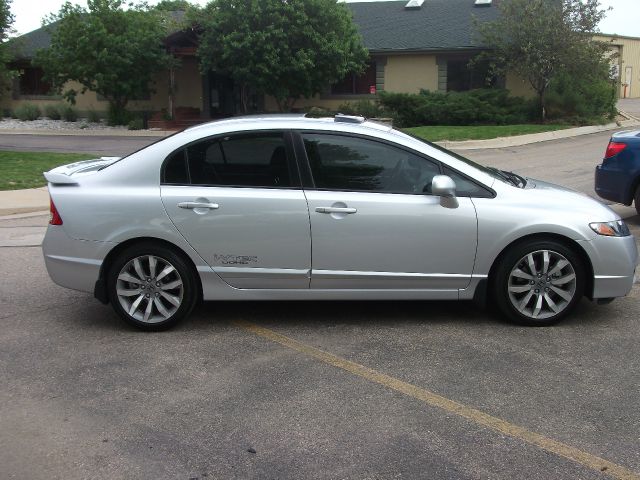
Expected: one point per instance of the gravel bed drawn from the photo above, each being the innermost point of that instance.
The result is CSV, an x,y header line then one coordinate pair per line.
x,y
48,124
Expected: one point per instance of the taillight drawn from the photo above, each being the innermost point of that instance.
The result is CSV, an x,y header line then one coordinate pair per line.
x,y
54,216
614,148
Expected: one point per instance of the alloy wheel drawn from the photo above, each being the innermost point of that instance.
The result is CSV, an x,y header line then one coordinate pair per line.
x,y
149,289
542,284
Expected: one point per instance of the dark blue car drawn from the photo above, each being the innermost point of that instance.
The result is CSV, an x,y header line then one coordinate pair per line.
x,y
618,178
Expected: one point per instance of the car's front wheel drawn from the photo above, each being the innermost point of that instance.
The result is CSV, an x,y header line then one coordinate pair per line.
x,y
151,287
538,283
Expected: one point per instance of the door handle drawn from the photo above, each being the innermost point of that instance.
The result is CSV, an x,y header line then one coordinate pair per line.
x,y
336,210
193,205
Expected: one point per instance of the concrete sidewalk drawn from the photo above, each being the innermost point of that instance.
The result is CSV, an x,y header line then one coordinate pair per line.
x,y
37,200
24,201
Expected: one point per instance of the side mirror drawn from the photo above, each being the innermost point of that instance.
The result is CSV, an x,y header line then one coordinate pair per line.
x,y
444,187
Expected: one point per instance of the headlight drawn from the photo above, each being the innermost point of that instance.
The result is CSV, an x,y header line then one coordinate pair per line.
x,y
611,229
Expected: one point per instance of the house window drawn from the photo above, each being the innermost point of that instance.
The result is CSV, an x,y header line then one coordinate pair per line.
x,y
462,76
354,84
31,82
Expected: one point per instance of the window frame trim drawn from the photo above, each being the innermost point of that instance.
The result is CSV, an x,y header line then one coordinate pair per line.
x,y
308,182
292,162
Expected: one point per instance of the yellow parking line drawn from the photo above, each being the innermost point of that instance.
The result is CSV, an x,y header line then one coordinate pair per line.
x,y
433,399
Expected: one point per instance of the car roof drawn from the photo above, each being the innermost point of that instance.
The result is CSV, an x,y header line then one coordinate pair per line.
x,y
296,120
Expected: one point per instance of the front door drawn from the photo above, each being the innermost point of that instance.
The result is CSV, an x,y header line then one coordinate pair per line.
x,y
237,200
223,101
374,224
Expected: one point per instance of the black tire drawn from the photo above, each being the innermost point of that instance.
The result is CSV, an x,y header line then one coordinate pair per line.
x,y
636,199
509,290
179,285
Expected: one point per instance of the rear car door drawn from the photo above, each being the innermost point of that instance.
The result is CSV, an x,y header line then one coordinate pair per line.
x,y
237,200
375,224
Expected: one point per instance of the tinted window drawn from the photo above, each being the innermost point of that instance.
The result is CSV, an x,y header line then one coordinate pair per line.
x,y
466,187
175,169
255,160
349,163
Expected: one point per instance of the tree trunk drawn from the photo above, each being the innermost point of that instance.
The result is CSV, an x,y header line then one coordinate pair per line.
x,y
244,97
118,111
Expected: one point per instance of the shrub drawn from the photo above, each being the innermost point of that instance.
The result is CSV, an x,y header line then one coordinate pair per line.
x,y
582,101
69,114
136,124
364,108
317,112
116,116
28,112
52,112
483,106
93,116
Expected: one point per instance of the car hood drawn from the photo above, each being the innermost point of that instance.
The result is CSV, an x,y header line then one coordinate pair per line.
x,y
64,173
552,196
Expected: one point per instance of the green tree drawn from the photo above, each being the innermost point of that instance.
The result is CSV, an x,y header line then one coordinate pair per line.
x,y
541,39
106,49
283,48
172,5
6,20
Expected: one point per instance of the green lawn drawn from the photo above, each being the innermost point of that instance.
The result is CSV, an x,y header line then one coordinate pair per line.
x,y
24,169
480,132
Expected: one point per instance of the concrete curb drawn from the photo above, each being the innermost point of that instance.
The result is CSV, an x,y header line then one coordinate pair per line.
x,y
90,133
18,216
519,140
24,201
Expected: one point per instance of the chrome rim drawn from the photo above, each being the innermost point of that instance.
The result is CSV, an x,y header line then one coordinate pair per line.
x,y
542,284
149,289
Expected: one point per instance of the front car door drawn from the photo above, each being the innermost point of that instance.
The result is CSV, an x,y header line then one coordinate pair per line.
x,y
374,223
237,200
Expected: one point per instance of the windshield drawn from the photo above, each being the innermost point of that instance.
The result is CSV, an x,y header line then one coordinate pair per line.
x,y
505,177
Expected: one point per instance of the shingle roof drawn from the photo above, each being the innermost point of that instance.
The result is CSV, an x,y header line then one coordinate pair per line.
x,y
385,26
25,46
437,25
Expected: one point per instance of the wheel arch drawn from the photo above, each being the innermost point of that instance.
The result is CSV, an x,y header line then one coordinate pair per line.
x,y
566,241
635,185
100,289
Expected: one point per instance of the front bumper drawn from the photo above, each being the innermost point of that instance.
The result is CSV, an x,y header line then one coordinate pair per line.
x,y
614,261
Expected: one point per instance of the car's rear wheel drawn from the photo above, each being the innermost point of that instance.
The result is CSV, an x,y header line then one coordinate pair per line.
x,y
538,283
151,287
637,199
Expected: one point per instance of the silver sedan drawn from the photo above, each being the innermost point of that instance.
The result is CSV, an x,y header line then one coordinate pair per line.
x,y
293,208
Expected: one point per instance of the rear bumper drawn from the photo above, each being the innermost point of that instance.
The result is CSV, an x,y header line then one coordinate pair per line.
x,y
73,263
614,185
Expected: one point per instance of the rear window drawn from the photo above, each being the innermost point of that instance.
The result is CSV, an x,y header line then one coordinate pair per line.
x,y
246,160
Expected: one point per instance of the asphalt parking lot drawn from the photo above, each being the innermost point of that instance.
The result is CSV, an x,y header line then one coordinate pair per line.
x,y
336,390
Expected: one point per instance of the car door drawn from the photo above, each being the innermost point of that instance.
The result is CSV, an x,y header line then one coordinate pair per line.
x,y
374,223
237,200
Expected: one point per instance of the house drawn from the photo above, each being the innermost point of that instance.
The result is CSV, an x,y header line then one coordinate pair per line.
x,y
413,45
625,63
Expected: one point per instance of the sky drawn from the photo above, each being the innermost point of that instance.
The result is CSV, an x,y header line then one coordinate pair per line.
x,y
621,20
